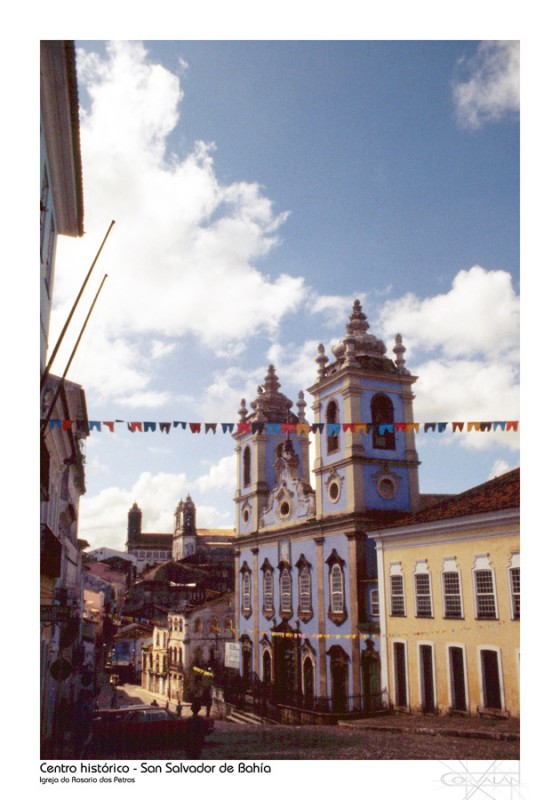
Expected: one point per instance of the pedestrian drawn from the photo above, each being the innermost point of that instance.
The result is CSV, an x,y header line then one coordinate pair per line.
x,y
207,698
82,723
154,703
196,731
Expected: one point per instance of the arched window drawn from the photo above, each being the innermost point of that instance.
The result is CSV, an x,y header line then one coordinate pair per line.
x,y
337,603
332,418
246,607
305,609
383,418
247,466
337,586
285,592
268,590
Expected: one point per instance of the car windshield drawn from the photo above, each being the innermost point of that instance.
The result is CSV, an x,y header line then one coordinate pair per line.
x,y
157,715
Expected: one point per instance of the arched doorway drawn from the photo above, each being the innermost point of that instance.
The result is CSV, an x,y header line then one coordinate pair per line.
x,y
285,655
267,668
339,679
308,682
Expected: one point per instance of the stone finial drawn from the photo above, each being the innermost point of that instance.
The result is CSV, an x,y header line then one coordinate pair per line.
x,y
258,405
243,410
321,360
301,404
399,349
350,351
271,382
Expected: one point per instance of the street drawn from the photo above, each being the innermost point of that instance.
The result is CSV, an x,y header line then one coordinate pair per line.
x,y
233,741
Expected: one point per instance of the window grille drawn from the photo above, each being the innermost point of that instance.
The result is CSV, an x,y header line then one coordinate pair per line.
x,y
485,596
397,596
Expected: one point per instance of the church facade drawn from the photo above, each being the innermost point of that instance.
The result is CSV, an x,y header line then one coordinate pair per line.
x,y
306,570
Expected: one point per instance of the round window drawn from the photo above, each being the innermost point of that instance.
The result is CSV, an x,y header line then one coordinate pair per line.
x,y
334,492
285,509
246,516
386,488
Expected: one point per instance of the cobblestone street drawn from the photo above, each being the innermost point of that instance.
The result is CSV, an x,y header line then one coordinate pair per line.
x,y
250,743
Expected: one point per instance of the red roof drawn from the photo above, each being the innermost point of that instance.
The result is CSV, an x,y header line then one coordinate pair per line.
x,y
497,494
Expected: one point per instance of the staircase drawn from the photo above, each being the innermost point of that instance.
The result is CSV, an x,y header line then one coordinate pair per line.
x,y
246,717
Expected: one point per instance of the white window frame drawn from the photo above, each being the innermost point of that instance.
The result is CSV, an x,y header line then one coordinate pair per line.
x,y
514,596
421,571
497,650
337,593
450,568
482,564
394,671
434,674
395,571
462,647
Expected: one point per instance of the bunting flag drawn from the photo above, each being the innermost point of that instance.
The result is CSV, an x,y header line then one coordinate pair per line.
x,y
302,429
311,635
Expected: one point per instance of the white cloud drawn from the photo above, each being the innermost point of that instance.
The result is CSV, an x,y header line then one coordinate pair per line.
x,y
222,475
488,88
336,308
104,517
160,349
182,258
464,346
479,316
500,467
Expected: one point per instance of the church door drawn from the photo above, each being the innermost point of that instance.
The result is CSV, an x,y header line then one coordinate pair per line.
x,y
339,680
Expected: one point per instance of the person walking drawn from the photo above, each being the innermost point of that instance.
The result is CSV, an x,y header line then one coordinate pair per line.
x,y
196,731
82,723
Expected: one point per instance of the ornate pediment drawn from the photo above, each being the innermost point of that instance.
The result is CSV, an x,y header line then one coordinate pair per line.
x,y
291,499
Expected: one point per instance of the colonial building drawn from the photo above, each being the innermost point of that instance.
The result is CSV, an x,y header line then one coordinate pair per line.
x,y
63,479
450,603
186,541
304,574
62,474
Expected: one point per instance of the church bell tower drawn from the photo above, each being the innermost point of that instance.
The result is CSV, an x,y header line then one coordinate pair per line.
x,y
366,457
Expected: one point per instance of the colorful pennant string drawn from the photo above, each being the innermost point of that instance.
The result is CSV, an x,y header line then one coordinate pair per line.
x,y
280,428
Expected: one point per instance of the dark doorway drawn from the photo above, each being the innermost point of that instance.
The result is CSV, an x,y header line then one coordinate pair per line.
x,y
491,687
371,677
457,672
401,694
339,680
267,668
285,686
308,682
427,679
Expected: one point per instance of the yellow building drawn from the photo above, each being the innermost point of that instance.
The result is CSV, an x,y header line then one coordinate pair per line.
x,y
449,591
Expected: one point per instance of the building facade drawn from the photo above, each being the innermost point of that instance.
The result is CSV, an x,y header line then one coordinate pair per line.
x,y
305,567
450,596
62,472
186,540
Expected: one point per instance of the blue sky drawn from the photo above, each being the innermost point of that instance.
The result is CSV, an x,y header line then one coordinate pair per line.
x,y
258,188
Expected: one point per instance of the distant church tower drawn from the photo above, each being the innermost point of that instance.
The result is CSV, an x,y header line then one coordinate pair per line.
x,y
184,537
134,530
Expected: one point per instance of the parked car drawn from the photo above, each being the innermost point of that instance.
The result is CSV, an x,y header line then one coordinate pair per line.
x,y
134,728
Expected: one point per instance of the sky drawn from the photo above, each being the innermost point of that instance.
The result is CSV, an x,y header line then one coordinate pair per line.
x,y
258,188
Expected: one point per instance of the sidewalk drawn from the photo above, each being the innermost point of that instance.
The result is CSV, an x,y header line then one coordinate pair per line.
x,y
432,725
